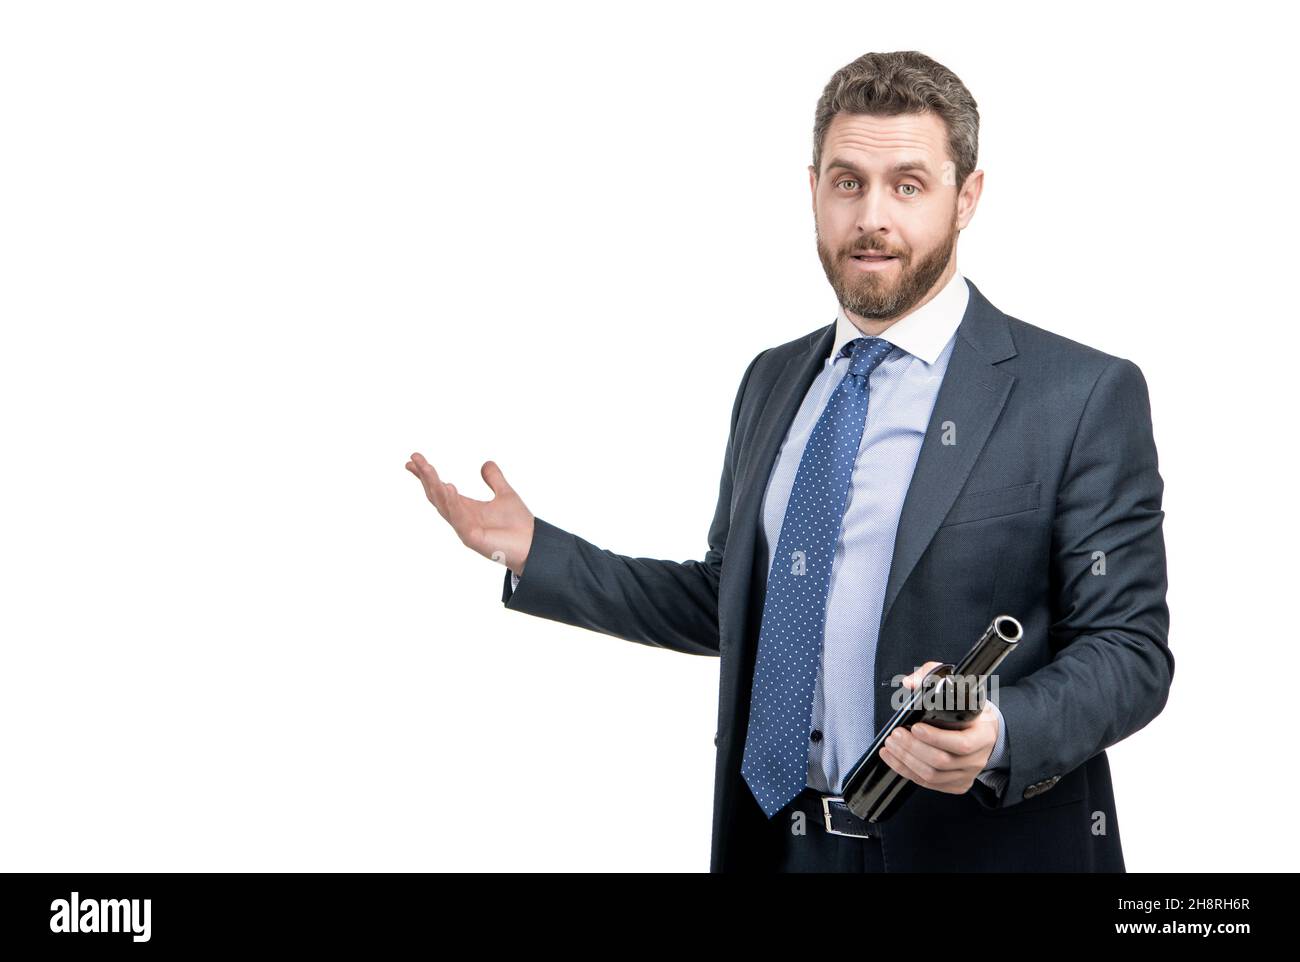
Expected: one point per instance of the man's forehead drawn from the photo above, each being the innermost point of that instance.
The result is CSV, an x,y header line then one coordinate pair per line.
x,y
863,138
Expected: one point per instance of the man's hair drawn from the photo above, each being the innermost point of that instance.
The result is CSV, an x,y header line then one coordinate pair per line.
x,y
902,82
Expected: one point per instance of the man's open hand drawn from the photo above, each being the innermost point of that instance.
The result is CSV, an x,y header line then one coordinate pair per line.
x,y
946,761
500,529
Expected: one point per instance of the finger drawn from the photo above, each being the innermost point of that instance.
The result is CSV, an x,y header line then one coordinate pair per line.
x,y
900,766
919,773
926,759
434,488
914,679
451,508
954,783
954,742
980,733
423,468
494,478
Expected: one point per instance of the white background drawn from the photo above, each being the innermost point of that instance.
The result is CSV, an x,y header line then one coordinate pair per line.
x,y
253,255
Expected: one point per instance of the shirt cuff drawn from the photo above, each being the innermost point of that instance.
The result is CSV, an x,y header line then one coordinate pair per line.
x,y
1000,757
996,780
997,769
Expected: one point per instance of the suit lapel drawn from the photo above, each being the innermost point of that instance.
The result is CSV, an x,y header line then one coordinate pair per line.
x,y
970,399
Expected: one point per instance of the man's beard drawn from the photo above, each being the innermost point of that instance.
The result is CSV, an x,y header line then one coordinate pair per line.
x,y
873,294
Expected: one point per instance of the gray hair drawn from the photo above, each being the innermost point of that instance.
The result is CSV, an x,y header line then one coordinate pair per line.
x,y
902,82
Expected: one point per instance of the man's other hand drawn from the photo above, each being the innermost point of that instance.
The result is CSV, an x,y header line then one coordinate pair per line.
x,y
500,529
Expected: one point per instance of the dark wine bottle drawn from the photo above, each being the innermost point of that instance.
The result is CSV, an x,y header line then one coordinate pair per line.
x,y
949,696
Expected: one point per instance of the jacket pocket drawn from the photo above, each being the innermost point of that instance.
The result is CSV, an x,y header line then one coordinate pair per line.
x,y
978,505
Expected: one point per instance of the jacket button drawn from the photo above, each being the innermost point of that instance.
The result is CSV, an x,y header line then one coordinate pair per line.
x,y
715,739
815,736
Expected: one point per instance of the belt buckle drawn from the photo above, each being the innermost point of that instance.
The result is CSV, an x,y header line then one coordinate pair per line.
x,y
826,815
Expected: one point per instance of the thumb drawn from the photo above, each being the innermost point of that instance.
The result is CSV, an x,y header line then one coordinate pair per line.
x,y
914,679
495,479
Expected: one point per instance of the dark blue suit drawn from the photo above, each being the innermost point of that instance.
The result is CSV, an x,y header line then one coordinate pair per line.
x,y
1047,508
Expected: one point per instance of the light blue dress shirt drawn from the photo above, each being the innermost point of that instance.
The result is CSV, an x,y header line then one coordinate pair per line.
x,y
903,391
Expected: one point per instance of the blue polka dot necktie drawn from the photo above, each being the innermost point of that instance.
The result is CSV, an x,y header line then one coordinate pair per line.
x,y
775,762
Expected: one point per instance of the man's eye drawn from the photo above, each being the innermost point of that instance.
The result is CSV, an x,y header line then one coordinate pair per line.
x,y
847,180
911,186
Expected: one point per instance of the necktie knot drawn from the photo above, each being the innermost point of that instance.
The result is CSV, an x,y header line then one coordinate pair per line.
x,y
865,354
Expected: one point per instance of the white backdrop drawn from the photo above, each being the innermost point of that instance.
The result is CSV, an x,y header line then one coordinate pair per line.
x,y
253,255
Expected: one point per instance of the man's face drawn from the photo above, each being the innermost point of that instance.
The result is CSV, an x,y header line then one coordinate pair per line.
x,y
887,211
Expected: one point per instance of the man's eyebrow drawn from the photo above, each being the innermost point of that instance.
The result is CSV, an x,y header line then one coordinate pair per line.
x,y
899,168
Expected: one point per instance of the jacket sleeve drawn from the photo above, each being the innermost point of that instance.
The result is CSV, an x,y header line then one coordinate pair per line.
x,y
1113,667
667,604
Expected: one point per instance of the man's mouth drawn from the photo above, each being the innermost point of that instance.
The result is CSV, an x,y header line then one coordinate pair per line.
x,y
871,260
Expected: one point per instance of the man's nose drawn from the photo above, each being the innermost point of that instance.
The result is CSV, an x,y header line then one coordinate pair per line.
x,y
873,211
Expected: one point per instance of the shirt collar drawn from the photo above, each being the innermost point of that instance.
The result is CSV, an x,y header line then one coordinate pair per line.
x,y
925,331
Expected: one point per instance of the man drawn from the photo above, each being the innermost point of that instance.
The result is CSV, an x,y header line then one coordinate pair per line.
x,y
893,481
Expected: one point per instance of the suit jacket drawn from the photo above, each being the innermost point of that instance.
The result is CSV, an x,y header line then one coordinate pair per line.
x,y
1035,494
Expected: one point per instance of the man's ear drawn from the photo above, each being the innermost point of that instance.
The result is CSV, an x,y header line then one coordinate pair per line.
x,y
812,185
969,197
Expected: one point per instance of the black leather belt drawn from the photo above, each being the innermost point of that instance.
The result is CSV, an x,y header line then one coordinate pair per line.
x,y
840,820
